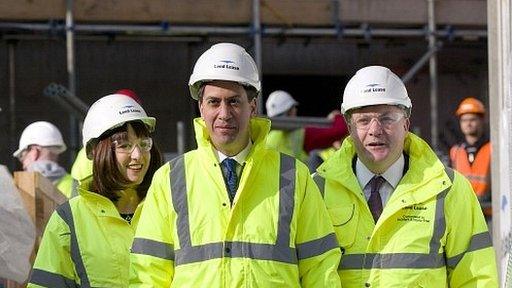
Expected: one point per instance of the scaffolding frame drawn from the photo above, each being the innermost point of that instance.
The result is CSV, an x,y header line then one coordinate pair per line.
x,y
257,31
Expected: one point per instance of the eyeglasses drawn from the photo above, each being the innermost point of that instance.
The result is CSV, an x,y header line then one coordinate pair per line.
x,y
386,120
127,147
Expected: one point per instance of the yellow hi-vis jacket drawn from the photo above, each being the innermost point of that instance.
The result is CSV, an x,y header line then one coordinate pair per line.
x,y
68,186
276,234
289,142
431,232
82,167
86,243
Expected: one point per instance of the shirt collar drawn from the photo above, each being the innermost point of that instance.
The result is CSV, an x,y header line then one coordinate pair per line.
x,y
240,157
392,175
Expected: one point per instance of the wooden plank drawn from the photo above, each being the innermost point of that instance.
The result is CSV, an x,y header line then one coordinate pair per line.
x,y
40,196
239,12
26,186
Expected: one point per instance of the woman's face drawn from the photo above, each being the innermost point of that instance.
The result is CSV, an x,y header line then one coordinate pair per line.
x,y
133,155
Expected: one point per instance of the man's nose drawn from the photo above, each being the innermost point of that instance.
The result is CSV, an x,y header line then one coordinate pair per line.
x,y
375,127
224,111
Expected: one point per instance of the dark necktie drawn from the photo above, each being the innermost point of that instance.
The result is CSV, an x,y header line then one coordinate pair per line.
x,y
375,202
230,176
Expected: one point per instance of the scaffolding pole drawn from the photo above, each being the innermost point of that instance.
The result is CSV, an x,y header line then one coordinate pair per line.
x,y
185,30
434,134
74,137
256,26
12,100
420,63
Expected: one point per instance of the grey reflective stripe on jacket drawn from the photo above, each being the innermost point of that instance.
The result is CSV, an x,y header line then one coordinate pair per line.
x,y
280,251
74,188
478,241
434,259
320,182
48,279
66,214
153,248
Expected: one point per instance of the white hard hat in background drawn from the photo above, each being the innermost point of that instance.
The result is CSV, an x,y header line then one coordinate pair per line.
x,y
41,133
110,112
279,102
374,85
224,61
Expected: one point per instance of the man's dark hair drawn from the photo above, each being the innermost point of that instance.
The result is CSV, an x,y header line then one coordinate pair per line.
x,y
249,90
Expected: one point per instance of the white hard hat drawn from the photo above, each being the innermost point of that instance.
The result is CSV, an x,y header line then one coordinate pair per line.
x,y
279,102
41,133
110,112
224,61
374,85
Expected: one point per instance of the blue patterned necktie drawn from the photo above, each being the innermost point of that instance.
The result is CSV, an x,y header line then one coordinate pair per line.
x,y
230,176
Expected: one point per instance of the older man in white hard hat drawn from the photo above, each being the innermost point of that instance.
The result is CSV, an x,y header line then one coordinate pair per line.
x,y
402,218
300,142
39,148
232,213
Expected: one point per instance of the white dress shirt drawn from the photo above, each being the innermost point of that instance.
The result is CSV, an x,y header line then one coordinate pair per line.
x,y
239,158
392,177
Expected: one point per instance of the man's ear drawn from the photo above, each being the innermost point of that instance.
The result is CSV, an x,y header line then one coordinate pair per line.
x,y
37,153
407,124
199,102
254,105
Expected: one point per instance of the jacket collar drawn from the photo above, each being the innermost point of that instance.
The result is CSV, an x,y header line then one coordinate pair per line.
x,y
424,166
259,128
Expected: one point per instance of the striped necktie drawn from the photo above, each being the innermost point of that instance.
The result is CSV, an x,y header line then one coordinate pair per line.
x,y
375,202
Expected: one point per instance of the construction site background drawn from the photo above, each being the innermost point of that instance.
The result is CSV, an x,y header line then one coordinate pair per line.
x,y
309,48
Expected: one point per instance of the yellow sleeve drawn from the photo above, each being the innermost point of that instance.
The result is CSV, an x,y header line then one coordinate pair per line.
x,y
152,255
53,266
317,247
470,256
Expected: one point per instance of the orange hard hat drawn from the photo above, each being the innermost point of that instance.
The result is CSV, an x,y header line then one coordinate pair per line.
x,y
470,105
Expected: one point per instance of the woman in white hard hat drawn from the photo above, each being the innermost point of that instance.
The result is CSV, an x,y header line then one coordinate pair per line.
x,y
87,240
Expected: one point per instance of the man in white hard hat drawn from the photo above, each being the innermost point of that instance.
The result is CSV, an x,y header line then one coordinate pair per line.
x,y
402,218
300,142
39,148
232,213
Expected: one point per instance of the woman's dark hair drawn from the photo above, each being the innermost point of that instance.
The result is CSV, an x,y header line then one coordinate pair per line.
x,y
107,179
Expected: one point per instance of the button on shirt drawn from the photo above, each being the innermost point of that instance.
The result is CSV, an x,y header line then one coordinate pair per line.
x,y
392,176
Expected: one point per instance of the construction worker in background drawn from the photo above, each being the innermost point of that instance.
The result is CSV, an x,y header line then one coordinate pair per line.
x,y
472,157
39,148
299,142
87,240
401,217
82,167
232,213
318,156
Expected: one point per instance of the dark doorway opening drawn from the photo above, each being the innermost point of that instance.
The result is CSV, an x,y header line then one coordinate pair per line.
x,y
317,94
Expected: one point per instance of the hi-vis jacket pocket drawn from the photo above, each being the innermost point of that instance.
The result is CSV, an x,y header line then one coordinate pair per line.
x,y
344,219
